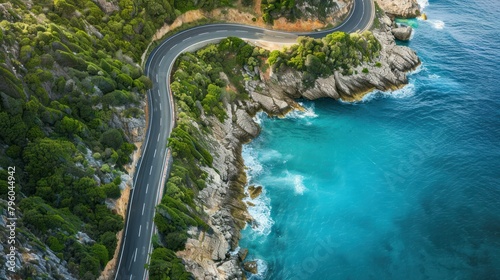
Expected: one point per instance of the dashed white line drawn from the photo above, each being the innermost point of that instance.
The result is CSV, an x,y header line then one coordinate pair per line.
x,y
160,106
174,46
140,228
147,225
160,121
158,140
155,153
135,256
147,188
161,61
220,31
151,169
143,205
203,33
157,78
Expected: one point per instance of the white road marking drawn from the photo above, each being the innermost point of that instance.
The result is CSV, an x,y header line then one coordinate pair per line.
x,y
147,225
147,188
160,106
160,121
220,31
155,153
151,169
143,205
130,277
161,61
140,228
157,78
135,256
203,33
173,46
158,138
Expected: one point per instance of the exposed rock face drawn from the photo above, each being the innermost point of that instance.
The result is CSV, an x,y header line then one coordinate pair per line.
x,y
208,254
39,263
402,33
211,254
276,93
400,8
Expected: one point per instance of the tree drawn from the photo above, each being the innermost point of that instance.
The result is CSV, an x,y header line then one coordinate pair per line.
x,y
112,138
100,251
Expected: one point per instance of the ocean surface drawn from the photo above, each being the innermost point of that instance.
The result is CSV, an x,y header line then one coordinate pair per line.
x,y
402,185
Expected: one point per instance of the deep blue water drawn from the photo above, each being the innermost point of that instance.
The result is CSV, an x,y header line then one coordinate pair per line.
x,y
400,186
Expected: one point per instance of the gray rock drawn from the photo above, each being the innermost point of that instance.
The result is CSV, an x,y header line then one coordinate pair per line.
x,y
402,33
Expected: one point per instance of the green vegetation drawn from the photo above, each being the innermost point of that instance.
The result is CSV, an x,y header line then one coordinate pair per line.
x,y
68,74
321,57
273,9
198,88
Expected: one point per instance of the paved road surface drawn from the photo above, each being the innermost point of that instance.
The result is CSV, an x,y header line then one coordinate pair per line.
x,y
152,167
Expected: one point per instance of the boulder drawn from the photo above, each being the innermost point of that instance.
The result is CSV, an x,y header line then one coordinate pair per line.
x,y
254,191
251,267
402,33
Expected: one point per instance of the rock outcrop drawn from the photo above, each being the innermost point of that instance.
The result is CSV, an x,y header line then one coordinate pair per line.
x,y
32,259
402,33
211,254
276,92
400,8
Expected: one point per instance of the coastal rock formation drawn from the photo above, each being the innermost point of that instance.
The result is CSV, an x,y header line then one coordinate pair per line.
x,y
211,254
400,8
251,267
254,191
402,33
276,92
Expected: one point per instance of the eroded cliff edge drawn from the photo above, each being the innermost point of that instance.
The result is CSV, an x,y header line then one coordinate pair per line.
x,y
211,254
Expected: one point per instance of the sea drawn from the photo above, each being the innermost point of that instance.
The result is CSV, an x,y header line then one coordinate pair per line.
x,y
400,185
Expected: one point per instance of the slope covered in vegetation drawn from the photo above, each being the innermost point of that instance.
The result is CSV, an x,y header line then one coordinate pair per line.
x,y
68,80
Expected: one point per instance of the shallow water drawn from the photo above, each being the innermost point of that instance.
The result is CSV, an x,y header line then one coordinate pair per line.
x,y
400,185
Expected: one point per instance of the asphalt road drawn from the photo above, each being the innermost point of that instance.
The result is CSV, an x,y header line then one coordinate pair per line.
x,y
152,168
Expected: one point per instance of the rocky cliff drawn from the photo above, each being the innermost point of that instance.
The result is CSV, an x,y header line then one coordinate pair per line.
x,y
211,255
208,254
276,91
400,8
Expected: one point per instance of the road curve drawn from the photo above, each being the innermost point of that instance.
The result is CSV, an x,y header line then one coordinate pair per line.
x,y
152,170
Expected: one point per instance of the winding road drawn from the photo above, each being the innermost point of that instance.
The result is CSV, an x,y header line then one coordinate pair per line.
x,y
152,169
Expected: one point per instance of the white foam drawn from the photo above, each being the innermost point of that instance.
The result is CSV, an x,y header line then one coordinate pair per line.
x,y
254,167
306,114
434,76
298,182
262,269
423,4
436,23
406,91
258,118
260,212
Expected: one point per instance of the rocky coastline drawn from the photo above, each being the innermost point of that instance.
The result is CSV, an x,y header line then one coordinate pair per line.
x,y
215,254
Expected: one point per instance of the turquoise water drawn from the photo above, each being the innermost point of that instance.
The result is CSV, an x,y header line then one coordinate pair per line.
x,y
400,186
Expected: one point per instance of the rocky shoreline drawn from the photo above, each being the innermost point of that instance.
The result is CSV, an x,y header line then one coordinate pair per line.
x,y
213,254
